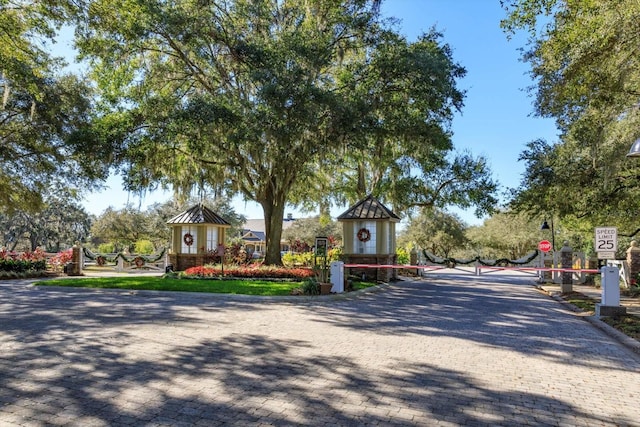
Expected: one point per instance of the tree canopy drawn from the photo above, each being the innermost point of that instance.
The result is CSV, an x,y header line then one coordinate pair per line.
x,y
584,60
436,231
307,229
42,112
259,98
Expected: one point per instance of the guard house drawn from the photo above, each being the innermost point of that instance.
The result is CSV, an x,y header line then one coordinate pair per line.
x,y
369,235
194,233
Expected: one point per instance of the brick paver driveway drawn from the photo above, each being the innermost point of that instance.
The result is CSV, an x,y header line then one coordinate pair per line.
x,y
447,351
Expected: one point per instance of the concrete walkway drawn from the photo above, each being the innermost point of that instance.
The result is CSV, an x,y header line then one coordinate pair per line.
x,y
448,350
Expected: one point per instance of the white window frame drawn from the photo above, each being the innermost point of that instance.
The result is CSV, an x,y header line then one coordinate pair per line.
x,y
368,247
193,249
212,238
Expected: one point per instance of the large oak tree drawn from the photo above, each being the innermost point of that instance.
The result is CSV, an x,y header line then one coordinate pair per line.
x,y
260,97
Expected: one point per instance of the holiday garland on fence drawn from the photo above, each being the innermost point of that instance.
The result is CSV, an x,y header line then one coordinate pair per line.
x,y
139,260
502,262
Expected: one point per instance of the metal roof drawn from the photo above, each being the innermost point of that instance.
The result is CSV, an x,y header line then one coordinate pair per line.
x,y
199,214
369,208
254,236
259,225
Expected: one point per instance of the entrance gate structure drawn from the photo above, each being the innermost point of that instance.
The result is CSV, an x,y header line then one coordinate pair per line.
x,y
547,267
125,262
554,264
529,264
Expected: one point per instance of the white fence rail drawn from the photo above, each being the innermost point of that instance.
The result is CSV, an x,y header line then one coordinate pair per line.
x,y
122,262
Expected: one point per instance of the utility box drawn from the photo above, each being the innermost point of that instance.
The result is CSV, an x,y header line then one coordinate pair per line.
x,y
610,286
336,270
610,303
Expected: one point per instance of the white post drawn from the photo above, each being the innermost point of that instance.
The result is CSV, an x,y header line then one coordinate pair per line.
x,y
336,270
610,285
610,303
540,265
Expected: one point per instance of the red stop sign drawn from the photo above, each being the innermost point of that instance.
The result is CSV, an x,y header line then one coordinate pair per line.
x,y
544,246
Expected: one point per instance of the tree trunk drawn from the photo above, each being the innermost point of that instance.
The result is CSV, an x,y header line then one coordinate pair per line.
x,y
273,217
361,190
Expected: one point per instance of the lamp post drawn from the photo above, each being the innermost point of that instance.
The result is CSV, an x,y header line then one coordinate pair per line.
x,y
545,226
634,151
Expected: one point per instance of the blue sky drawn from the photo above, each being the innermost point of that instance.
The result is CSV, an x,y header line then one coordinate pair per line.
x,y
497,119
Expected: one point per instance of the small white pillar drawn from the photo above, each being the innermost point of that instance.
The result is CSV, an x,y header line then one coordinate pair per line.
x,y
336,270
610,302
610,285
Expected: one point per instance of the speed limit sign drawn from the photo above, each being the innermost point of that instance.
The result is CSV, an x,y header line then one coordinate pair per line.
x,y
606,239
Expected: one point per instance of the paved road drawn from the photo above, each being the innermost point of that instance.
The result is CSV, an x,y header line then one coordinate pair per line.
x,y
448,351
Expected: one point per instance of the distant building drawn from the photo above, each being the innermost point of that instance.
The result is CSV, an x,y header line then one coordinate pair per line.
x,y
255,238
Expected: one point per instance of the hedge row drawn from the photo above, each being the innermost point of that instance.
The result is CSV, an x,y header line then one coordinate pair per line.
x,y
20,266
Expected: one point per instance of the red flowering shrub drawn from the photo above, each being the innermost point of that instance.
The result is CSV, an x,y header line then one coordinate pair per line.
x,y
24,261
250,271
299,246
61,259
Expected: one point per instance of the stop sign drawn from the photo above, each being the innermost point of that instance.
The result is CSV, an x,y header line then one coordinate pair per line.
x,y
544,245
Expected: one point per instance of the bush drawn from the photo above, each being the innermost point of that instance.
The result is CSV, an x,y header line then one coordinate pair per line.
x,y
402,256
310,287
306,258
298,259
252,271
106,248
22,262
61,259
144,247
334,254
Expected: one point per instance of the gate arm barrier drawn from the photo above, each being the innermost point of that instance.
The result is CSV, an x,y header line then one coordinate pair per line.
x,y
478,268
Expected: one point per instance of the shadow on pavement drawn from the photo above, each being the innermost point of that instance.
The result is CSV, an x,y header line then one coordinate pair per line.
x,y
78,358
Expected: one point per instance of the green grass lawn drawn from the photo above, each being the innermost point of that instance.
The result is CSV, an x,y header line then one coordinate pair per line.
x,y
155,283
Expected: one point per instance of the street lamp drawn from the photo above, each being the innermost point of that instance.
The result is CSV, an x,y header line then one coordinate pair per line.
x,y
545,226
634,151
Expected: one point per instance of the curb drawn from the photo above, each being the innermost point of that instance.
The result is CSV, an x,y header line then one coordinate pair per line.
x,y
623,339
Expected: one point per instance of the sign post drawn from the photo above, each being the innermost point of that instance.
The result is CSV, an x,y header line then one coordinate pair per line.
x,y
606,242
322,244
544,246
